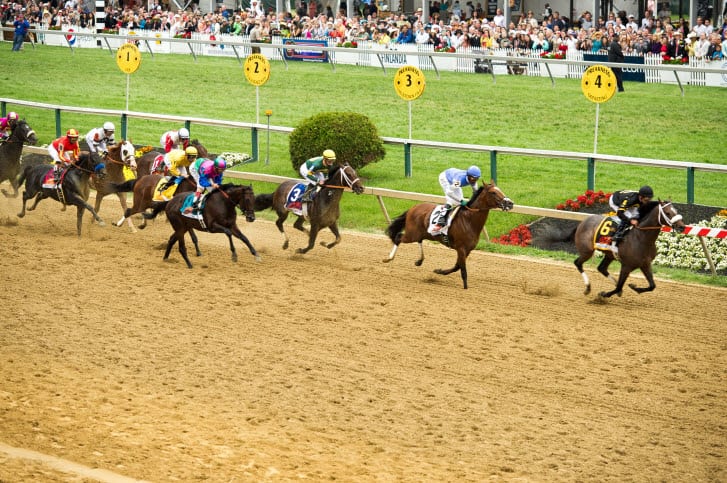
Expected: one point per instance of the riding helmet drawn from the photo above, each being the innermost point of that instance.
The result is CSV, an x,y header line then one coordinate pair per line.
x,y
329,154
72,133
109,126
474,172
220,163
183,133
12,116
646,191
191,151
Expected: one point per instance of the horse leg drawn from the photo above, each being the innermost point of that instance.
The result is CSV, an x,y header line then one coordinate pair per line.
x,y
25,199
38,196
193,235
460,265
279,223
170,244
622,276
419,262
80,202
583,258
298,225
125,207
236,232
311,239
603,266
649,278
334,230
79,219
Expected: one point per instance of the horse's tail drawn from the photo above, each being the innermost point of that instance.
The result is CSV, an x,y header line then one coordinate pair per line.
x,y
24,174
263,201
124,187
396,226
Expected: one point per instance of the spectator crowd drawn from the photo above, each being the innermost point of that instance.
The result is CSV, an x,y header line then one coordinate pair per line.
x,y
450,26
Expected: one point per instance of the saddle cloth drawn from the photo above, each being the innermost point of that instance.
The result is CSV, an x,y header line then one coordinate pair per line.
x,y
603,234
194,214
293,203
436,213
161,194
49,180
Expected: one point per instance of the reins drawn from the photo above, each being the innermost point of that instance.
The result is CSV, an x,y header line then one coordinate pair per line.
x,y
345,178
661,216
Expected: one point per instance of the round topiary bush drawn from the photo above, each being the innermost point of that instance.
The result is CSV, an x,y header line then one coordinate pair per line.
x,y
352,136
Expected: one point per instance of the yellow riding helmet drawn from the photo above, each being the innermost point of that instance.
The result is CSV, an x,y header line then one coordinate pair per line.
x,y
72,133
191,151
329,155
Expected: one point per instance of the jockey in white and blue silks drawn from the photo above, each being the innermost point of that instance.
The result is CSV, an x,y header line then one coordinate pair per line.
x,y
452,181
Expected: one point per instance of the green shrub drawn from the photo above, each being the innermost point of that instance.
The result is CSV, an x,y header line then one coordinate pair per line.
x,y
352,136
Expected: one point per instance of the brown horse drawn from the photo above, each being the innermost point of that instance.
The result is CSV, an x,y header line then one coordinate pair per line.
x,y
323,212
637,250
464,231
146,161
219,216
143,189
119,156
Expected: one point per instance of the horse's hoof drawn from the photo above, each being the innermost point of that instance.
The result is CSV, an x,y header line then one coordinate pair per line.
x,y
418,263
587,290
285,246
387,260
604,295
20,215
101,223
258,258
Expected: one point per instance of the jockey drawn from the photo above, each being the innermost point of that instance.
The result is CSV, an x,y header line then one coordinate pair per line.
x,y
208,175
626,204
7,124
313,171
170,139
176,162
64,151
452,181
98,139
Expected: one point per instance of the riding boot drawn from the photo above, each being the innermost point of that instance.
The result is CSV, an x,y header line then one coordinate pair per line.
x,y
620,233
308,194
442,221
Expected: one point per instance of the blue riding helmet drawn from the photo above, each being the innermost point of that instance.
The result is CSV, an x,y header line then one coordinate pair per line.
x,y
474,172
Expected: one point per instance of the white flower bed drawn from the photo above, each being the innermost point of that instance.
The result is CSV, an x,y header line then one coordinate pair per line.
x,y
685,251
234,159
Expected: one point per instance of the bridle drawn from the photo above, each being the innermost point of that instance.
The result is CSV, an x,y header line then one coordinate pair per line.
x,y
346,179
27,136
662,219
492,189
122,162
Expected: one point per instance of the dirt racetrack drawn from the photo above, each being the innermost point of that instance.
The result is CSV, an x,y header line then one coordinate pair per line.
x,y
336,366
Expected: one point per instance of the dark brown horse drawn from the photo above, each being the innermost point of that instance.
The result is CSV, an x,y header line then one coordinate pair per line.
x,y
120,156
146,161
74,186
143,189
637,250
10,152
323,212
219,216
463,234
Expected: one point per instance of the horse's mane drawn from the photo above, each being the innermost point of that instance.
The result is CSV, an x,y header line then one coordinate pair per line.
x,y
645,209
476,193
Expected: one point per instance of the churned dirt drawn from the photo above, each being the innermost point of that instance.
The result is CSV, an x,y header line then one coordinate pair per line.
x,y
336,366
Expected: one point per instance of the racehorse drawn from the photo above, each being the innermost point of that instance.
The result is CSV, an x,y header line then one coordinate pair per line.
x,y
10,152
74,186
219,216
143,189
323,212
145,163
120,156
463,233
637,250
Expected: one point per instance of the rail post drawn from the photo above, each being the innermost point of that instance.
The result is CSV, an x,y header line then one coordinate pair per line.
x,y
254,135
407,160
59,133
591,182
493,165
690,185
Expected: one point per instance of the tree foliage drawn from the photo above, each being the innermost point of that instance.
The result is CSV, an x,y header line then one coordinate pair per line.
x,y
352,136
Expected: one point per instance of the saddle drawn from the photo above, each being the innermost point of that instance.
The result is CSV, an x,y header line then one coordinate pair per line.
x,y
194,214
434,217
49,180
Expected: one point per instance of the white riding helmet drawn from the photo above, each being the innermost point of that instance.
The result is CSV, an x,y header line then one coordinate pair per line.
x,y
109,126
183,133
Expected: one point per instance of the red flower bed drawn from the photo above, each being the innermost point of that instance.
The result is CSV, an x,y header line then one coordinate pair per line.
x,y
521,235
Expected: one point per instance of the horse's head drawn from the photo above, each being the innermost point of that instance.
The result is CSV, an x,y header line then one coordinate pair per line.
x,y
344,175
126,153
91,165
493,197
669,216
23,133
247,203
201,150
